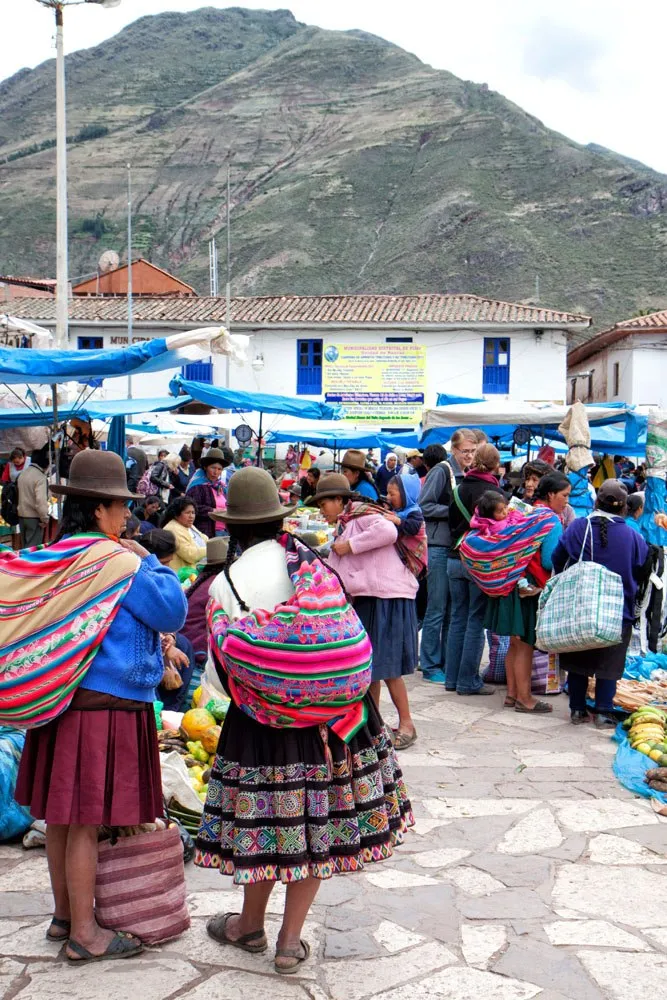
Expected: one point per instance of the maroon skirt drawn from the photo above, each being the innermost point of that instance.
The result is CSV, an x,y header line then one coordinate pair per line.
x,y
93,768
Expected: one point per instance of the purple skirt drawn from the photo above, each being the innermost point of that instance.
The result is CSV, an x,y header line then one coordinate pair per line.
x,y
94,768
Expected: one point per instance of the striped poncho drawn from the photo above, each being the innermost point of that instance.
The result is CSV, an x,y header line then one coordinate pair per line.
x,y
56,606
497,560
305,663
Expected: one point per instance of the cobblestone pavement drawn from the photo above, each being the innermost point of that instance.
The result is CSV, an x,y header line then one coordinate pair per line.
x,y
531,873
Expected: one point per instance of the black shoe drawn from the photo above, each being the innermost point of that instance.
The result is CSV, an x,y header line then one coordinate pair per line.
x,y
603,720
576,718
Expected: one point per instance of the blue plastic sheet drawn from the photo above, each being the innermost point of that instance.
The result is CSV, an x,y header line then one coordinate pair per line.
x,y
640,668
630,768
14,819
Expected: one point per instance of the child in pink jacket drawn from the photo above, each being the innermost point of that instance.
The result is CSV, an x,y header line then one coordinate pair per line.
x,y
365,556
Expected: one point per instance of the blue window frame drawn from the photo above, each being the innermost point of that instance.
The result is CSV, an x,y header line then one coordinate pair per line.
x,y
90,343
496,366
199,371
309,367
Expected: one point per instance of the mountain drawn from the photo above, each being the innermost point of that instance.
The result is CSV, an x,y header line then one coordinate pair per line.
x,y
354,167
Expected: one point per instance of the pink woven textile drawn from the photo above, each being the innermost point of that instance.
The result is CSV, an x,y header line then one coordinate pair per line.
x,y
140,886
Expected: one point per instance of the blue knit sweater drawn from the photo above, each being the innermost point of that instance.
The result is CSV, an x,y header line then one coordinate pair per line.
x,y
129,664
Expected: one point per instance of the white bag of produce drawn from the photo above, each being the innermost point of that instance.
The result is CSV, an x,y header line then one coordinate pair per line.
x,y
176,783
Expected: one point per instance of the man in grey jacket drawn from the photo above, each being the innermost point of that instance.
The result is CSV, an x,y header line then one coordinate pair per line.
x,y
33,505
434,500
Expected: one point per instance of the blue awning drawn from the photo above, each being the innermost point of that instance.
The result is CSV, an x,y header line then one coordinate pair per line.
x,y
236,399
346,438
90,410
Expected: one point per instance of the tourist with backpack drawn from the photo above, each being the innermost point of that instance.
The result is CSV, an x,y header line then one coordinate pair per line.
x,y
305,783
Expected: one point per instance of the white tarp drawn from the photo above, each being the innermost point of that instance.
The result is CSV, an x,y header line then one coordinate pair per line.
x,y
508,411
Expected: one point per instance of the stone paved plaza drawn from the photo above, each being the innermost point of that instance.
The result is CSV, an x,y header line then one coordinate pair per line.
x,y
531,873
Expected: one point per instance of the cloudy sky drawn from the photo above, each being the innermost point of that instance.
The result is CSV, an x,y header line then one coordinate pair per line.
x,y
592,69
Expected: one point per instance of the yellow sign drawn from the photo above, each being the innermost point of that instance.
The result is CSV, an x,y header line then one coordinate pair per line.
x,y
383,383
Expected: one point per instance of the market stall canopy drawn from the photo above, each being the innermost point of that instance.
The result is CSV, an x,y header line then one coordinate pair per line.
x,y
344,438
508,411
38,367
40,338
92,410
236,399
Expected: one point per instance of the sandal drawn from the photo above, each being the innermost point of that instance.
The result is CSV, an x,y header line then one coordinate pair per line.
x,y
295,958
61,925
539,708
404,740
509,702
255,942
122,945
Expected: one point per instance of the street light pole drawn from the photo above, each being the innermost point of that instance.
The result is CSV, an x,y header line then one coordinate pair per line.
x,y
62,271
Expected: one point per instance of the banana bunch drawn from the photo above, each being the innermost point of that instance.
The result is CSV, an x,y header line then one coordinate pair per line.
x,y
647,733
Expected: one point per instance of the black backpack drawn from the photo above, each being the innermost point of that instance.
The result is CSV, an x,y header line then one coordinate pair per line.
x,y
9,506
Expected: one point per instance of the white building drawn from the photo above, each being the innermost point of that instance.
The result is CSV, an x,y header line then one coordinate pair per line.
x,y
471,346
626,364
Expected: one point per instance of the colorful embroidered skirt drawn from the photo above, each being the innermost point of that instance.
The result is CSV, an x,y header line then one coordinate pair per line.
x,y
278,809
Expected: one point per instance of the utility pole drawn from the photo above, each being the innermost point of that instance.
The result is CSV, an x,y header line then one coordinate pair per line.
x,y
213,268
130,316
62,282
228,288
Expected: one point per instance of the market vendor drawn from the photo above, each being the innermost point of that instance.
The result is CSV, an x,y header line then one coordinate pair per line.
x,y
96,764
603,538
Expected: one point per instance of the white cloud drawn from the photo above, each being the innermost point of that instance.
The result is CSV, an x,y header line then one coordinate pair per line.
x,y
592,69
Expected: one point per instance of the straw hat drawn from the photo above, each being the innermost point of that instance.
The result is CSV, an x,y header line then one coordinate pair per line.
x,y
216,551
334,484
252,497
353,459
413,453
97,474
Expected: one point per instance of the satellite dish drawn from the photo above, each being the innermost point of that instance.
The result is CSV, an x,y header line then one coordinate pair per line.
x,y
109,261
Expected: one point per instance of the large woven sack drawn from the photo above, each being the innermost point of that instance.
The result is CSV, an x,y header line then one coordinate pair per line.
x,y
498,646
140,885
582,608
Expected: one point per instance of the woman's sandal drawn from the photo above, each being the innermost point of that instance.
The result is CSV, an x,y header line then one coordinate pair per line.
x,y
539,708
59,924
122,945
294,956
255,942
509,702
404,740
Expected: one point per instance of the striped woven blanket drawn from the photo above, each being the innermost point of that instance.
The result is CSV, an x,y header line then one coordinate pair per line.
x,y
497,560
56,605
306,662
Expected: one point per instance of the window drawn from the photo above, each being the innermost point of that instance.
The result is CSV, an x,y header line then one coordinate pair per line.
x,y
309,367
496,370
617,377
199,371
90,343
398,340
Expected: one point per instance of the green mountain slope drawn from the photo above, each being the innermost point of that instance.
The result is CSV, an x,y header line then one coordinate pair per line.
x,y
355,167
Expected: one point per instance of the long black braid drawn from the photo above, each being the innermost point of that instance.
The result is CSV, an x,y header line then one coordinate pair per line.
x,y
608,506
244,536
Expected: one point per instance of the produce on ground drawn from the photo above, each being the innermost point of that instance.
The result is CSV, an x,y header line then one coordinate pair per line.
x,y
656,778
635,694
196,722
647,733
195,758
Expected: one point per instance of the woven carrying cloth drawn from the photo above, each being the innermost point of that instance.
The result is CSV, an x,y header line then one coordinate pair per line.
x,y
497,561
56,605
413,549
581,608
305,663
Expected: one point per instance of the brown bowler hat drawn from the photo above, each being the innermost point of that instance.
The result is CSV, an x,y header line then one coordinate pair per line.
x,y
334,484
97,474
252,498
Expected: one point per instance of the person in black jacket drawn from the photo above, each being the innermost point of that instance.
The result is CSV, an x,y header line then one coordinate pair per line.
x,y
465,637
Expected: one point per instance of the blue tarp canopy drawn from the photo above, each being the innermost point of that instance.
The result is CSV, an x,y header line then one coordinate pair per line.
x,y
91,410
346,438
23,366
235,399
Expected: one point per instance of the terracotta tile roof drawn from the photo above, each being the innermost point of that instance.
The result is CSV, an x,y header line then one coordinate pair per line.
x,y
44,284
415,310
652,323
